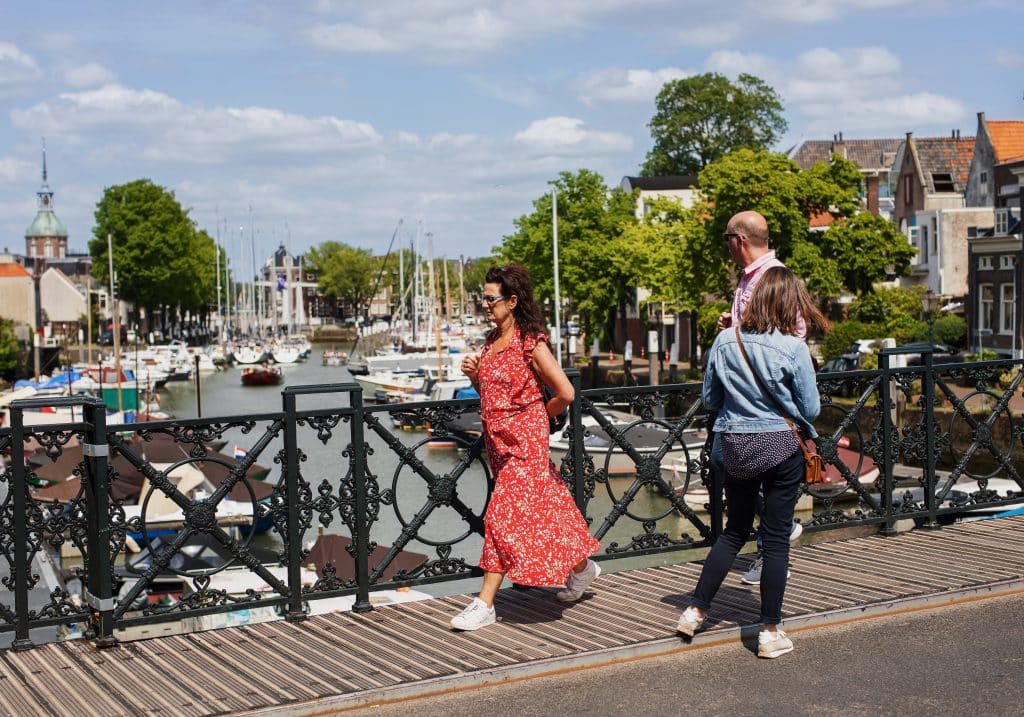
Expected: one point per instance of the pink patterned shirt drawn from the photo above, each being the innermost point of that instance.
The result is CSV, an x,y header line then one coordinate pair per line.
x,y
752,274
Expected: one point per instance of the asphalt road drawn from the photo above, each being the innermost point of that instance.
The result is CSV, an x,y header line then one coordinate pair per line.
x,y
964,659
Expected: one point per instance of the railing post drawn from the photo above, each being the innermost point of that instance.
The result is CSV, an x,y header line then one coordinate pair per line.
x,y
361,538
100,591
885,392
291,476
579,487
19,546
931,504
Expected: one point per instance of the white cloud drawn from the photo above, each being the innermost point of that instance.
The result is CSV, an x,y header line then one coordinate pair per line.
x,y
17,68
570,135
15,171
626,85
1009,58
919,109
854,89
89,75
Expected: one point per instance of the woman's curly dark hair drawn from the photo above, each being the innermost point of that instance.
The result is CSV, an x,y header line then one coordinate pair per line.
x,y
515,281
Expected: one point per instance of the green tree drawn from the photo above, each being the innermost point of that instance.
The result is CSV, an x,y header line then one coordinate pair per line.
x,y
700,119
598,265
856,252
345,272
887,301
160,260
8,347
865,249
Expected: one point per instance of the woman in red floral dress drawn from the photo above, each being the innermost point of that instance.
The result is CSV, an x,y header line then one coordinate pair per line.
x,y
533,532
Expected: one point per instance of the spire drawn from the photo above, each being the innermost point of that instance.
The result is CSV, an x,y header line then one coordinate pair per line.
x,y
44,195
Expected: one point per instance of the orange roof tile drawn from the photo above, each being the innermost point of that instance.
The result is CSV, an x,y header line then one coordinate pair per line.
x,y
9,269
1007,138
820,219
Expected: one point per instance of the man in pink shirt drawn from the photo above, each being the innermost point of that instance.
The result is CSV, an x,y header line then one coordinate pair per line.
x,y
747,234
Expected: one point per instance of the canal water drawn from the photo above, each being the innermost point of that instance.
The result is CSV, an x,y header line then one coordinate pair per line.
x,y
223,395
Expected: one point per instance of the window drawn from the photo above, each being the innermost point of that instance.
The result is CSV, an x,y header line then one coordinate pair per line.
x,y
47,249
1006,261
985,307
984,262
943,182
1002,220
935,236
908,189
914,235
1006,307
983,183
923,245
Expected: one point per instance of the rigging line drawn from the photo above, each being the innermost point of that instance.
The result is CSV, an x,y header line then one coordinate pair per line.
x,y
376,285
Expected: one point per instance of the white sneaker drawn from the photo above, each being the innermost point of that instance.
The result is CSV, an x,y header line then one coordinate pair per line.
x,y
475,616
771,645
577,583
796,532
689,622
753,576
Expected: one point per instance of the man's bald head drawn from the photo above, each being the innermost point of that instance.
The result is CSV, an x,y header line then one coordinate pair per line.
x,y
752,226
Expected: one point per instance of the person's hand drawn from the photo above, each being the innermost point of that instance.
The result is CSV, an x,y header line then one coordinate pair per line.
x,y
470,366
725,320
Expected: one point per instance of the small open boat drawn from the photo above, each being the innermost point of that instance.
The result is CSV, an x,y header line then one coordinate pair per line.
x,y
261,376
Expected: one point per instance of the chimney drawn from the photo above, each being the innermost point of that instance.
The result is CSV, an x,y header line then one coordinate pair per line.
x,y
871,188
952,134
840,136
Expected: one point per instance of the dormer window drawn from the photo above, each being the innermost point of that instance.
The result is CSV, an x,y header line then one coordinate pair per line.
x,y
943,182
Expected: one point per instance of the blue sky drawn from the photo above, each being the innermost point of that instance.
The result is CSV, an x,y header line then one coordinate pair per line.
x,y
334,119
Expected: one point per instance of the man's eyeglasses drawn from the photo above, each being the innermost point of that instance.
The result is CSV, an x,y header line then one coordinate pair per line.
x,y
729,235
488,299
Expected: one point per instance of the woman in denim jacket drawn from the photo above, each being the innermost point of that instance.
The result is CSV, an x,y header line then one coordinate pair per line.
x,y
759,450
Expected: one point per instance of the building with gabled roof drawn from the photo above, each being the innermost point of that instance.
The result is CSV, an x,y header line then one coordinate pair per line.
x,y
874,157
998,143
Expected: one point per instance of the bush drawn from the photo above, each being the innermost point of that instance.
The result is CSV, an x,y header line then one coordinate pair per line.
x,y
707,322
837,342
951,330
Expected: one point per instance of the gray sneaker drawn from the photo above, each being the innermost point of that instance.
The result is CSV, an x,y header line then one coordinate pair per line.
x,y
771,645
753,576
577,583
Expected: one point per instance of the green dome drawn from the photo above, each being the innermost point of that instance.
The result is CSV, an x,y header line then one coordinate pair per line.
x,y
46,224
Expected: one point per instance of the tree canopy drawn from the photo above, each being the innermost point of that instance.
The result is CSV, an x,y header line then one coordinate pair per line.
x,y
160,259
345,272
598,263
8,346
700,119
856,250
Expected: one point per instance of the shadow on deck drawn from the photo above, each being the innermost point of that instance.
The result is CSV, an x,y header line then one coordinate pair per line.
x,y
343,660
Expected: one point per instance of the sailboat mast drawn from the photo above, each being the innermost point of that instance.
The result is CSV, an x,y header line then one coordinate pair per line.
x,y
462,287
447,295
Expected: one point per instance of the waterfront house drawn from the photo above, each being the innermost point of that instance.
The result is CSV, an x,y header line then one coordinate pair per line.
x,y
874,157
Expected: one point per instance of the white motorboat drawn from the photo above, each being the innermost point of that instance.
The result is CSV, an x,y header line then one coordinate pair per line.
x,y
285,354
646,438
249,354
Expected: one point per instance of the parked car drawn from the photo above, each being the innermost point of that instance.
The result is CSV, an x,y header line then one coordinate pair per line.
x,y
846,362
941,352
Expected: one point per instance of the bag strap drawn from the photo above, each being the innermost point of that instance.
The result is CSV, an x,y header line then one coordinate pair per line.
x,y
770,395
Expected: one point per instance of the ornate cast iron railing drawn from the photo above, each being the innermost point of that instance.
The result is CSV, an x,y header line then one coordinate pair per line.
x,y
927,444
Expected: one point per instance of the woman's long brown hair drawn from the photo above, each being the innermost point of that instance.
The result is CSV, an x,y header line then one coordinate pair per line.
x,y
515,281
779,299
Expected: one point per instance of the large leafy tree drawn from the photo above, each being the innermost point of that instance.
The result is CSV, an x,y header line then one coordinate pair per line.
x,y
345,272
598,264
160,260
700,119
8,346
856,251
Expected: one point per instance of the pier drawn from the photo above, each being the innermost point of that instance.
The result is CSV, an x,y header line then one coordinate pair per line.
x,y
913,452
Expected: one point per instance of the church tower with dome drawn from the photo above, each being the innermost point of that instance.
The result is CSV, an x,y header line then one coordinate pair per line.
x,y
46,237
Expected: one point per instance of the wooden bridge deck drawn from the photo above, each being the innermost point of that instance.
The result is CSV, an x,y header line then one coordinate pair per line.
x,y
340,660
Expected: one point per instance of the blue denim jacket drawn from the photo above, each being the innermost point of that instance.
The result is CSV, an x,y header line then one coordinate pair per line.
x,y
784,365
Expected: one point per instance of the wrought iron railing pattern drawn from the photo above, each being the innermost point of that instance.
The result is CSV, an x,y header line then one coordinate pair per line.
x,y
940,436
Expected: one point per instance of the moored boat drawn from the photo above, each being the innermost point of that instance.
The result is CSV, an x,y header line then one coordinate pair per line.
x,y
261,376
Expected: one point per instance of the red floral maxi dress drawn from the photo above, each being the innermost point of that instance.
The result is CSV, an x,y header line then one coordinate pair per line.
x,y
533,531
